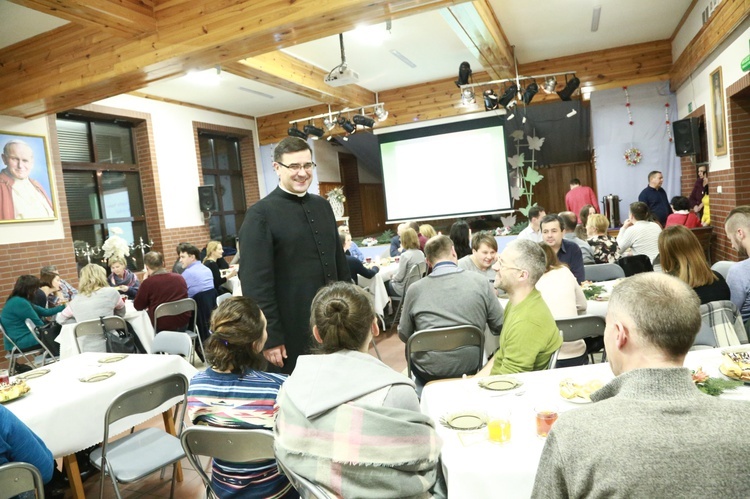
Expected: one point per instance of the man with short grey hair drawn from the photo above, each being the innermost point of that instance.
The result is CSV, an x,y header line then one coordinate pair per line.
x,y
737,228
650,429
449,296
530,335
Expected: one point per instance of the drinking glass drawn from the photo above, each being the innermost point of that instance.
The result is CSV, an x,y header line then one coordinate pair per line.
x,y
498,425
546,415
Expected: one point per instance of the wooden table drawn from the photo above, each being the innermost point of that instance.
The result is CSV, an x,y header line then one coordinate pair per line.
x,y
68,415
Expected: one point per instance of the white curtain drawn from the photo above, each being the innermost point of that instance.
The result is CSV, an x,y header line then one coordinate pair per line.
x,y
612,135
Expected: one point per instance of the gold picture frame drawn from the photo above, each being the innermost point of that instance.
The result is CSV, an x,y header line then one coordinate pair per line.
x,y
719,113
26,156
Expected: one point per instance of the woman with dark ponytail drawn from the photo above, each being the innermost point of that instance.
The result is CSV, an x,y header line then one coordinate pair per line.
x,y
348,422
234,392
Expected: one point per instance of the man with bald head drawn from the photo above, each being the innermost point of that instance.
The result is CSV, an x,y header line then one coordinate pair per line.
x,y
650,432
21,197
737,228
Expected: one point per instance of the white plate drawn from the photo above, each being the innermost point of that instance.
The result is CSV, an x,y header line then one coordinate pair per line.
x,y
500,383
576,400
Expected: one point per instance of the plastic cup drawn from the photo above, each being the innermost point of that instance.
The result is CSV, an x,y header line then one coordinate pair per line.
x,y
498,425
545,417
4,377
368,260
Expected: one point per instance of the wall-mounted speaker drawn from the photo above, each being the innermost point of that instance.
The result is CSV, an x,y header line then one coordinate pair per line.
x,y
206,197
686,137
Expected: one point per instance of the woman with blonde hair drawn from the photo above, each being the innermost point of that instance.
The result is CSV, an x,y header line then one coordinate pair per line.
x,y
347,422
121,278
410,257
235,392
682,256
95,299
564,297
214,255
427,231
604,246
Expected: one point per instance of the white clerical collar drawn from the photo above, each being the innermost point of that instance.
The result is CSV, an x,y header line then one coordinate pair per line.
x,y
292,193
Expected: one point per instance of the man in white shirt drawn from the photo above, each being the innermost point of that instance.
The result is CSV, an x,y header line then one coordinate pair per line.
x,y
638,234
21,198
532,232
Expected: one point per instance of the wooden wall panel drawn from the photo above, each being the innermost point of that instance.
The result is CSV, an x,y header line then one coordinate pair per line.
x,y
373,209
550,192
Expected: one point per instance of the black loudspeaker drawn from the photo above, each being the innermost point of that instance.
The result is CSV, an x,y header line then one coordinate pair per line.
x,y
206,198
686,139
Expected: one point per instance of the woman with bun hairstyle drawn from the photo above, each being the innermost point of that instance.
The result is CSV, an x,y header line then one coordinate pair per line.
x,y
234,392
343,389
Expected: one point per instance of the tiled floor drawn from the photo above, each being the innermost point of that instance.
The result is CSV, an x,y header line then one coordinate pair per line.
x,y
391,349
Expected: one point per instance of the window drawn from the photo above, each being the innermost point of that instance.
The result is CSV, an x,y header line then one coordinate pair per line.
x,y
220,161
102,184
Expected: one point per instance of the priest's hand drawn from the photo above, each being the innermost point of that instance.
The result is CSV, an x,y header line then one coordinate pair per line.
x,y
276,355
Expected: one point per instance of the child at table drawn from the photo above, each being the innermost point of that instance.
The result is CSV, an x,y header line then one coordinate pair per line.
x,y
234,392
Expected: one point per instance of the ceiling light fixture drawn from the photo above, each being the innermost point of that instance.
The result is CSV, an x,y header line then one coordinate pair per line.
x,y
570,87
467,97
531,90
313,132
296,132
329,122
595,18
549,85
380,113
347,125
490,100
464,73
365,121
508,96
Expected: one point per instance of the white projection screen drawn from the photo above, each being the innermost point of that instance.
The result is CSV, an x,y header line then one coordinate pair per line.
x,y
446,170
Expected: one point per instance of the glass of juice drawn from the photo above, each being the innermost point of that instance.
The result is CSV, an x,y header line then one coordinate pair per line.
x,y
4,377
498,425
546,415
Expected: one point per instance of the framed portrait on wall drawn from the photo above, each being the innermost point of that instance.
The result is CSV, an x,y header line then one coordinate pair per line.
x,y
719,114
27,187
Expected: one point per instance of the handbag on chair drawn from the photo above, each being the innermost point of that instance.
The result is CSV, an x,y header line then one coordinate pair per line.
x,y
121,341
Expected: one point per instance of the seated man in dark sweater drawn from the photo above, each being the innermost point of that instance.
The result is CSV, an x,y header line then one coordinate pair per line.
x,y
160,286
355,265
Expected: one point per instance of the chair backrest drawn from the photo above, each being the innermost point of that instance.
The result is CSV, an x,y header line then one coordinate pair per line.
x,y
578,328
222,298
32,327
603,272
173,343
177,307
422,268
17,478
306,489
635,264
725,322
552,364
412,276
706,338
444,339
146,398
94,327
722,267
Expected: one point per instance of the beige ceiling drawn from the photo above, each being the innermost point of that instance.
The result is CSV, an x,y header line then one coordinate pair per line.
x,y
538,30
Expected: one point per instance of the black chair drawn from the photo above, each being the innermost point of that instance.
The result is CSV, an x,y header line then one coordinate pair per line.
x,y
635,264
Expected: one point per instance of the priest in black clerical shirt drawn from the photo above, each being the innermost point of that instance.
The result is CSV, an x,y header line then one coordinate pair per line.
x,y
290,248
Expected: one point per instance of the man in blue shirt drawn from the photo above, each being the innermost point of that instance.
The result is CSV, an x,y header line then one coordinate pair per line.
x,y
568,252
656,198
197,276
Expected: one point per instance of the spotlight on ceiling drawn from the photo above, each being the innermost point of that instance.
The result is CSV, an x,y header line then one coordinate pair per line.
x,y
508,96
366,121
347,125
464,72
467,96
570,87
329,123
549,85
528,94
380,113
313,132
490,100
296,132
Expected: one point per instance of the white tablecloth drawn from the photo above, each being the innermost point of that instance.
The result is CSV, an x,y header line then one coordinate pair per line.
x,y
68,415
483,469
376,286
138,319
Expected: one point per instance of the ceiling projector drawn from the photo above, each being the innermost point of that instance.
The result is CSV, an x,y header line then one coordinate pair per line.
x,y
341,77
